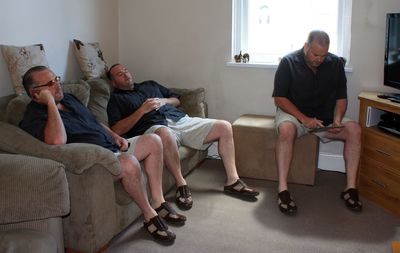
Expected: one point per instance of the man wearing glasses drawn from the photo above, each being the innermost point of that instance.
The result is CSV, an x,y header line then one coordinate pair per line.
x,y
58,118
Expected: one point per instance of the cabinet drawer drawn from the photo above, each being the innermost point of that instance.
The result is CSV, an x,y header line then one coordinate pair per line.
x,y
379,178
382,148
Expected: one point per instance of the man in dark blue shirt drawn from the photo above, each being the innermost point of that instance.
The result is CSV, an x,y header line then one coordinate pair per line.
x,y
310,92
148,107
57,118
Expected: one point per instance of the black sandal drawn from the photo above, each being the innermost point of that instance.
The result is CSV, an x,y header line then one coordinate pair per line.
x,y
170,215
183,197
351,199
239,188
159,230
286,203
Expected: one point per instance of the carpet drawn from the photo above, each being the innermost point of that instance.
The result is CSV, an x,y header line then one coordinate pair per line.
x,y
221,223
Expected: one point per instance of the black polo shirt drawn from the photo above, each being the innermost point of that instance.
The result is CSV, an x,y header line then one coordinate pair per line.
x,y
80,125
314,95
125,102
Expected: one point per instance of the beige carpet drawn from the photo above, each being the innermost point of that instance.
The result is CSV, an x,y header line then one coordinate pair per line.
x,y
220,223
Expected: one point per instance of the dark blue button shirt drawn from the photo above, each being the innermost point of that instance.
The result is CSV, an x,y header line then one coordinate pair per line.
x,y
314,95
80,125
125,102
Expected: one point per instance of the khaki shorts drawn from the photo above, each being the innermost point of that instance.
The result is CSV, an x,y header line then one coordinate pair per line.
x,y
189,131
282,116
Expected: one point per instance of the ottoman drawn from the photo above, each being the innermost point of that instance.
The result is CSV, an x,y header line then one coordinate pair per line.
x,y
255,139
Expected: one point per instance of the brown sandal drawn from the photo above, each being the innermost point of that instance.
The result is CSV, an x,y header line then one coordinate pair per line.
x,y
239,188
159,230
170,215
183,197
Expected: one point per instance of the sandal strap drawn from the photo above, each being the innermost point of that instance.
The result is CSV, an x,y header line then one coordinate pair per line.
x,y
155,224
183,191
165,209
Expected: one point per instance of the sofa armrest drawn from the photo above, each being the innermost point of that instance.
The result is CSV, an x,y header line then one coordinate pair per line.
x,y
77,157
192,101
31,189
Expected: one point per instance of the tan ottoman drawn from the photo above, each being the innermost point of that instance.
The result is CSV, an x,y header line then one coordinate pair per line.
x,y
255,139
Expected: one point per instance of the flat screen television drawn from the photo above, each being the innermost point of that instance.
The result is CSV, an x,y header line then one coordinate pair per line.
x,y
392,52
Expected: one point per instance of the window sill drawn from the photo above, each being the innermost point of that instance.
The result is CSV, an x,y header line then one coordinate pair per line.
x,y
266,66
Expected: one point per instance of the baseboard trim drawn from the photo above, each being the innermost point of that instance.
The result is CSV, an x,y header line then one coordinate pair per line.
x,y
331,162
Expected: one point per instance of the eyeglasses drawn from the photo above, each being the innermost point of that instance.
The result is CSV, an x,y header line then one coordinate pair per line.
x,y
50,83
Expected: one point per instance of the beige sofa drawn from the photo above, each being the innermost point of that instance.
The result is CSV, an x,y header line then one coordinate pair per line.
x,y
34,198
100,208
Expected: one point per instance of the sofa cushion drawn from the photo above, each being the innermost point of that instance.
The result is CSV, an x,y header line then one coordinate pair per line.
x,y
90,58
99,95
192,101
20,59
79,89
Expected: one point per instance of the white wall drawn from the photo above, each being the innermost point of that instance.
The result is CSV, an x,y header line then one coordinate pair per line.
x,y
186,43
54,23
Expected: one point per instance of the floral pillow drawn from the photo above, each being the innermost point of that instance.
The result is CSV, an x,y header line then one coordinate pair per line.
x,y
20,59
90,58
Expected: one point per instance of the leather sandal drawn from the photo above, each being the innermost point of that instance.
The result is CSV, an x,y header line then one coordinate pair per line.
x,y
350,197
159,230
286,203
183,197
239,188
170,215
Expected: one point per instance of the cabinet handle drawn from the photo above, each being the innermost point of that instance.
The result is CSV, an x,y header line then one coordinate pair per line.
x,y
382,152
383,185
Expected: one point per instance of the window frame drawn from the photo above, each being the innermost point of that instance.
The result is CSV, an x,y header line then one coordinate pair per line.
x,y
239,32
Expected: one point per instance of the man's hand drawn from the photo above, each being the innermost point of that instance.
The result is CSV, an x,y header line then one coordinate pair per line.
x,y
122,143
43,97
312,123
152,104
335,130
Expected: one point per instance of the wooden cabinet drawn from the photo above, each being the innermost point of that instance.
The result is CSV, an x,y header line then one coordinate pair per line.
x,y
379,172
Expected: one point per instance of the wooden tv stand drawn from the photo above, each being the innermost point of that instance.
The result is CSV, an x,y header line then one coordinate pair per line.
x,y
379,171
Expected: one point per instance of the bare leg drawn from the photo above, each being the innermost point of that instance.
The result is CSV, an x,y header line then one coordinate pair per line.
x,y
222,132
171,154
284,152
351,135
149,150
132,181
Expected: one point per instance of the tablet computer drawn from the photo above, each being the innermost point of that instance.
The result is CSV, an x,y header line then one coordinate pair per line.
x,y
321,129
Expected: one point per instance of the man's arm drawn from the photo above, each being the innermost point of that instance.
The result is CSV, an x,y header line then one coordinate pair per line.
x,y
286,105
54,131
340,110
121,142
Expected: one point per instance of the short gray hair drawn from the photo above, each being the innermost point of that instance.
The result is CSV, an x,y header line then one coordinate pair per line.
x,y
320,37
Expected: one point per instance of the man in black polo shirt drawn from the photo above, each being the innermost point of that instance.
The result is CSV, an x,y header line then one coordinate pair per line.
x,y
58,118
148,107
310,92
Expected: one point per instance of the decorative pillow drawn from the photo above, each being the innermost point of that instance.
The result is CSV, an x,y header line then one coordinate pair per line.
x,y
20,59
80,89
90,58
192,101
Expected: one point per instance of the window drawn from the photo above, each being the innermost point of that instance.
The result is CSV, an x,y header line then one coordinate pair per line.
x,y
270,29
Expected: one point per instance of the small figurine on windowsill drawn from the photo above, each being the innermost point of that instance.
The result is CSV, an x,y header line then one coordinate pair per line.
x,y
242,58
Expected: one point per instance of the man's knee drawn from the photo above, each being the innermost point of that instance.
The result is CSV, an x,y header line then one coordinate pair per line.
x,y
130,167
224,127
151,141
287,130
353,130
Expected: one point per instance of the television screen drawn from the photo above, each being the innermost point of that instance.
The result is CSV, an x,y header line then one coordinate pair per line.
x,y
392,51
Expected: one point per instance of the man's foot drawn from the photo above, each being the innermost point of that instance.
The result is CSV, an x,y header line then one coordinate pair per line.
x,y
286,203
159,230
170,215
183,197
239,188
350,197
